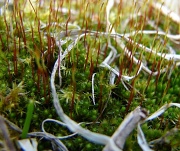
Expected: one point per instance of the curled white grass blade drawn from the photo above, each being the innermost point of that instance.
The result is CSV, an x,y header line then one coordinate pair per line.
x,y
167,12
62,124
5,136
103,64
126,127
93,98
159,112
70,47
107,59
173,5
109,5
91,136
142,140
117,37
72,125
112,77
174,57
162,110
113,49
59,69
175,104
170,36
164,55
28,144
112,55
50,137
125,78
112,145
52,120
135,61
170,71
124,85
140,68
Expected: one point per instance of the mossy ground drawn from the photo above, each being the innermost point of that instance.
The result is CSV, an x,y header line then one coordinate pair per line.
x,y
28,52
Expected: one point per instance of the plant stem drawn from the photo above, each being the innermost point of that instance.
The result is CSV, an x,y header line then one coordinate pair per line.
x,y
27,123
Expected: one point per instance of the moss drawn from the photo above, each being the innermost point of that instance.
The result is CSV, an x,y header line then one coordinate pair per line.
x,y
28,52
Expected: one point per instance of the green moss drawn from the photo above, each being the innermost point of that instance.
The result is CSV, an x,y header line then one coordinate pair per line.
x,y
28,52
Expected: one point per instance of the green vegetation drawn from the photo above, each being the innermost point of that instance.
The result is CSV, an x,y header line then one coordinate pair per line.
x,y
30,38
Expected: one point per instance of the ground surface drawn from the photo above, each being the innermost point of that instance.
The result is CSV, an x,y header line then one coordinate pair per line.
x,y
127,57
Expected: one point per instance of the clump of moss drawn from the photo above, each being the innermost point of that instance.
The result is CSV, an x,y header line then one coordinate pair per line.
x,y
29,48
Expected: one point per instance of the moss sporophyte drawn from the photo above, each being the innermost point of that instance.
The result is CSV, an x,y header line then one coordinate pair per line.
x,y
81,75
